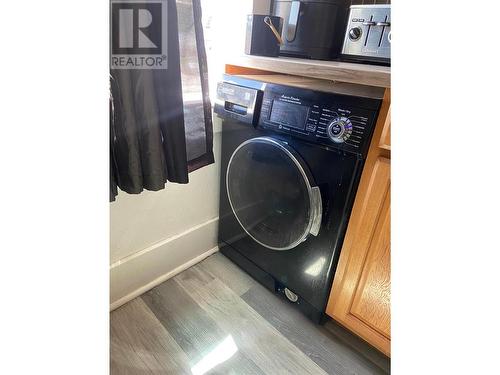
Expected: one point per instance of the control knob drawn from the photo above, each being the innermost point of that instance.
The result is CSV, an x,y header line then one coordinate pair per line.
x,y
340,129
355,33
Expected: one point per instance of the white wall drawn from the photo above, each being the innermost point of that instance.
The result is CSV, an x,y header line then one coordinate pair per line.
x,y
139,221
261,6
225,28
155,235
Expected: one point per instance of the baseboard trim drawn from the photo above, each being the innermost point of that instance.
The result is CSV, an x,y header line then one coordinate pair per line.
x,y
137,273
161,279
166,241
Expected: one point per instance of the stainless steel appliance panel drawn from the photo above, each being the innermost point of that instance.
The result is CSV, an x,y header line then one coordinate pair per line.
x,y
368,34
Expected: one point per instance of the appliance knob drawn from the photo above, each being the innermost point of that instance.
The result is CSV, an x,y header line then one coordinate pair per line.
x,y
355,33
340,129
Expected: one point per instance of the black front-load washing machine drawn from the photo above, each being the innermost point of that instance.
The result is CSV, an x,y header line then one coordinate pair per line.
x,y
290,165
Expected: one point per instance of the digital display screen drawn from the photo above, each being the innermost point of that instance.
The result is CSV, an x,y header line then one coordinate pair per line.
x,y
288,114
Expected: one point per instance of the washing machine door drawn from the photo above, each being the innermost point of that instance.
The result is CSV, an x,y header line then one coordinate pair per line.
x,y
272,194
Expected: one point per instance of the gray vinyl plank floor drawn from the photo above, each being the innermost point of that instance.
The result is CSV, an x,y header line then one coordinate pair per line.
x,y
214,318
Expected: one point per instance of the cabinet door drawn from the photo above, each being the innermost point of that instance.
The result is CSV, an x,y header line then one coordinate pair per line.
x,y
360,297
372,296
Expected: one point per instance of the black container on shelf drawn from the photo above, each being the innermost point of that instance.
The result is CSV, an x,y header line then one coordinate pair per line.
x,y
312,29
261,40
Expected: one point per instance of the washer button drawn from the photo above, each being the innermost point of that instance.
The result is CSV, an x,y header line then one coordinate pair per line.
x,y
336,129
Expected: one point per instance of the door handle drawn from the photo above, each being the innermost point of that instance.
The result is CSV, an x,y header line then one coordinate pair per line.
x,y
317,209
268,22
293,21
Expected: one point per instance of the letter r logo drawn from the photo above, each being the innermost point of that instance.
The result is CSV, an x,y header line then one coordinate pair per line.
x,y
139,34
136,28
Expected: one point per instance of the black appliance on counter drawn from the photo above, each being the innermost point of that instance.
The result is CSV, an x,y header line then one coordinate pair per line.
x,y
312,29
260,35
290,166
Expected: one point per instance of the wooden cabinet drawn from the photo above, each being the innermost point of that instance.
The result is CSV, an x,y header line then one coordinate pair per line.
x,y
385,138
360,296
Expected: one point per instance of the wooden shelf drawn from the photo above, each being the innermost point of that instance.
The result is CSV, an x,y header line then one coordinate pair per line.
x,y
364,74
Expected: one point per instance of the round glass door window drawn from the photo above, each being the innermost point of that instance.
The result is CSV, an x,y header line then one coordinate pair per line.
x,y
271,194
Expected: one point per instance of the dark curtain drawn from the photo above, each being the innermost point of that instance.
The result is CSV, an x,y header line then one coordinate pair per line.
x,y
160,119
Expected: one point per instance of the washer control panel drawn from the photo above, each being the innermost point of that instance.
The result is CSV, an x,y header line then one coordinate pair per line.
x,y
340,129
341,121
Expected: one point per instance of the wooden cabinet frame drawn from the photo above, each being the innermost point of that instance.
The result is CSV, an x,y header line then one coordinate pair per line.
x,y
360,297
